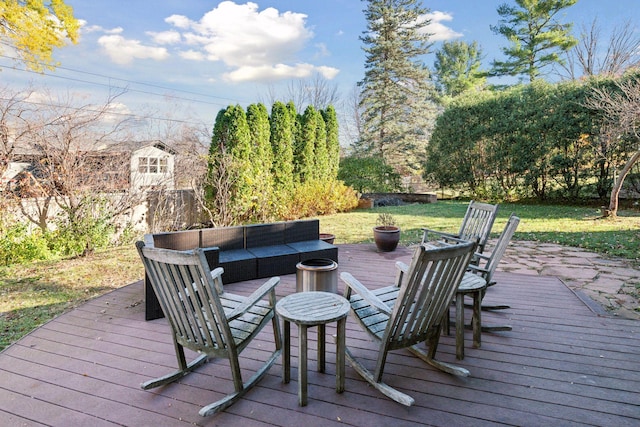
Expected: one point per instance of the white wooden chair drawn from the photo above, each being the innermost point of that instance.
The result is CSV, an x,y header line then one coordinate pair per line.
x,y
476,224
206,319
410,312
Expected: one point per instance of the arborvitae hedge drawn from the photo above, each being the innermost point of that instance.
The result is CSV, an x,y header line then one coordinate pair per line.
x,y
280,166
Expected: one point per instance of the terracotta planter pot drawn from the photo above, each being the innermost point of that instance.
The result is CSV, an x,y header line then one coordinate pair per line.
x,y
329,238
386,238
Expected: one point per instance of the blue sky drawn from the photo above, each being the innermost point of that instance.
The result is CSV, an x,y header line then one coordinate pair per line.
x,y
190,58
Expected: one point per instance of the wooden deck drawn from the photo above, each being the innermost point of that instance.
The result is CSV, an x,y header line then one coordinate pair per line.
x,y
563,364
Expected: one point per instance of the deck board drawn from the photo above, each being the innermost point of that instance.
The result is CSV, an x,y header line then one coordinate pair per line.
x,y
562,364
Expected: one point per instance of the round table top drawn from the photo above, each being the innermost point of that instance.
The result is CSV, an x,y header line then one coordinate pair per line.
x,y
313,308
471,282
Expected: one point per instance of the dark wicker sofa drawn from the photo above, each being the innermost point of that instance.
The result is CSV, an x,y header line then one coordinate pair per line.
x,y
246,252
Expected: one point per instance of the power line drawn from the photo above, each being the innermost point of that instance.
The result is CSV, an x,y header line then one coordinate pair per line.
x,y
107,112
120,87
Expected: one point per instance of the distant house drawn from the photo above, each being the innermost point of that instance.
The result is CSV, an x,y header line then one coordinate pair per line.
x,y
152,166
133,166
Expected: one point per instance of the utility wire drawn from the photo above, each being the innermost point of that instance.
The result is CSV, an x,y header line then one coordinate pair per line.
x,y
121,87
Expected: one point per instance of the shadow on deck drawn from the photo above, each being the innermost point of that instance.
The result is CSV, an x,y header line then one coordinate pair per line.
x,y
562,364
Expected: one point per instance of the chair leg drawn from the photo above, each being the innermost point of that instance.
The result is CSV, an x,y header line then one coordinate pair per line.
x,y
443,366
486,307
232,398
476,320
460,326
487,328
169,378
383,388
429,356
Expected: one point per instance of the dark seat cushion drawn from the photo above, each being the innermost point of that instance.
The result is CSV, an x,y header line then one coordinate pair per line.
x,y
310,249
275,260
239,265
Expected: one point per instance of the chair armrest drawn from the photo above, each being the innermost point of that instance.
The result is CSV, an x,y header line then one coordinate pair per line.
x,y
478,270
216,274
441,233
365,293
402,270
256,296
446,239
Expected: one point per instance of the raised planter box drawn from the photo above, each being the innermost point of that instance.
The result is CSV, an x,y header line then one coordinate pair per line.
x,y
404,197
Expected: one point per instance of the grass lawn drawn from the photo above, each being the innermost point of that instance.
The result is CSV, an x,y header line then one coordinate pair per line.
x,y
32,294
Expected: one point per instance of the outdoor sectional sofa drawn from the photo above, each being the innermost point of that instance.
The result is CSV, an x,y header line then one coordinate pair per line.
x,y
246,252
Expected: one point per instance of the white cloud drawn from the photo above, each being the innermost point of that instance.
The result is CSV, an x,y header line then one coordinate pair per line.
x,y
322,50
84,28
439,31
255,45
328,72
116,112
165,37
178,21
124,51
192,55
250,41
277,72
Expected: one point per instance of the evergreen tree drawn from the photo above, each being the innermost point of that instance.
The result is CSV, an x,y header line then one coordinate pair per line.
x,y
216,150
333,141
457,68
321,163
536,38
227,189
240,150
261,159
281,124
396,89
305,147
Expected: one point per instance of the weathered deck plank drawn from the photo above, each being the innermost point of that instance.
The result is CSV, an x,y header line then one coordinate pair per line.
x,y
560,365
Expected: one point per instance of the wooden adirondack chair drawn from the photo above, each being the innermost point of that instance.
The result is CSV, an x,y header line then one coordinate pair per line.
x,y
205,318
410,312
488,263
476,224
475,283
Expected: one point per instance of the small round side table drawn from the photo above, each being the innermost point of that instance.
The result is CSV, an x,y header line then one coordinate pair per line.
x,y
307,309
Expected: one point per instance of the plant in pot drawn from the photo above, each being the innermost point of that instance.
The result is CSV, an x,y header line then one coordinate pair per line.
x,y
386,234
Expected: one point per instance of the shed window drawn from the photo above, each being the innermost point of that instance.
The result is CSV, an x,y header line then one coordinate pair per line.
x,y
152,164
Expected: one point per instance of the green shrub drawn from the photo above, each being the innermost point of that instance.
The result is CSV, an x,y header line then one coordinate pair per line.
x,y
369,175
80,232
19,245
314,198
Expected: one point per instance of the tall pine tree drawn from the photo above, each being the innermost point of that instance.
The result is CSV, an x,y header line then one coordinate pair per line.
x,y
396,89
457,68
536,38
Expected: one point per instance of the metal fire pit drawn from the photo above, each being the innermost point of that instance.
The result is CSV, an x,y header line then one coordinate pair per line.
x,y
317,275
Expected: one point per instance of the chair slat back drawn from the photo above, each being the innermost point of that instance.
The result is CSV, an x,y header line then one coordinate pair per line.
x,y
477,223
187,294
501,246
426,292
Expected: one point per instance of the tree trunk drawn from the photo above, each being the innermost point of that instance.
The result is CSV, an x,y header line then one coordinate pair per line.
x,y
615,191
